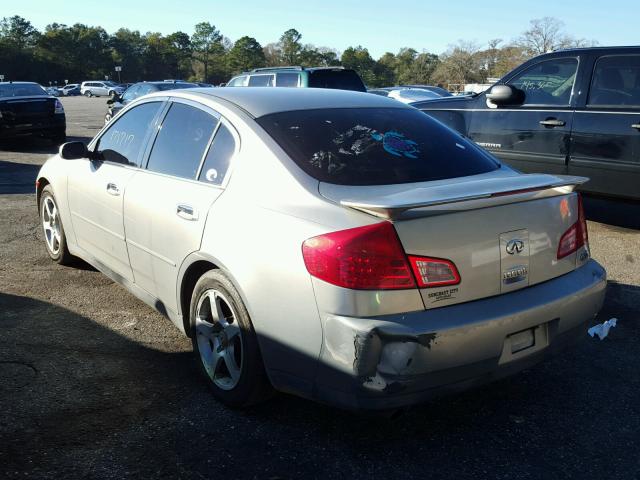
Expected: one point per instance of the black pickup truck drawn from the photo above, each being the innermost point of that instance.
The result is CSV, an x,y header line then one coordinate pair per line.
x,y
572,111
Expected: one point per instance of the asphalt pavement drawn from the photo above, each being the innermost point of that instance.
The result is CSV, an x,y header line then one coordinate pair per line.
x,y
95,384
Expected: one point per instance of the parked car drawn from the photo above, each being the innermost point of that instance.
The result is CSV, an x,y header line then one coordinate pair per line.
x,y
410,95
572,112
386,259
99,89
386,91
117,103
315,77
69,89
53,91
27,109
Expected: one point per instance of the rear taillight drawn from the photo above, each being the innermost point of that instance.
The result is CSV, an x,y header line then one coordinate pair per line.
x,y
576,236
58,107
434,272
372,258
363,258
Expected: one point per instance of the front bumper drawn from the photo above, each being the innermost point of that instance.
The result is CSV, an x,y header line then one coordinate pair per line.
x,y
398,360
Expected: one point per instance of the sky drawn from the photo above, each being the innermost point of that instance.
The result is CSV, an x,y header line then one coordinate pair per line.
x,y
380,26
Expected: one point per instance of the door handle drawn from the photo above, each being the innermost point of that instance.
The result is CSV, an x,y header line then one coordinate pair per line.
x,y
636,126
113,189
187,212
553,122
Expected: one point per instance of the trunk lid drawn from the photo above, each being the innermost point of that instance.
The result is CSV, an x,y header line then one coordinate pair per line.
x,y
19,111
501,230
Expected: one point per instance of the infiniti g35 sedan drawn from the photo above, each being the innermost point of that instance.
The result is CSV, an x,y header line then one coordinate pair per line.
x,y
337,245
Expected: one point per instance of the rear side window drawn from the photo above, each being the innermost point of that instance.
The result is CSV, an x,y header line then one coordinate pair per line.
x,y
218,158
374,146
124,139
616,81
180,144
287,79
338,79
261,81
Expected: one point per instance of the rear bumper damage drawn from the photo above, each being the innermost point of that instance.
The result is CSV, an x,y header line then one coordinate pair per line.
x,y
397,360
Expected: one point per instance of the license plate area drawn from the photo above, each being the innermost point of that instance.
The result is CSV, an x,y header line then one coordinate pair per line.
x,y
524,342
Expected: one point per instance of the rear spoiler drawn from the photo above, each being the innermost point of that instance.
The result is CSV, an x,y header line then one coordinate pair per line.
x,y
466,195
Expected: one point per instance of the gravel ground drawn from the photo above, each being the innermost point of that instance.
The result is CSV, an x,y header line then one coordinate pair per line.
x,y
94,384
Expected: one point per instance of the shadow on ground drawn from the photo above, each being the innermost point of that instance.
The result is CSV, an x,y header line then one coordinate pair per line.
x,y
620,213
78,400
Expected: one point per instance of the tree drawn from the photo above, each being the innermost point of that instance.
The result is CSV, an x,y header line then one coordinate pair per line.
x,y
460,64
290,46
272,55
245,54
18,33
206,42
546,35
358,59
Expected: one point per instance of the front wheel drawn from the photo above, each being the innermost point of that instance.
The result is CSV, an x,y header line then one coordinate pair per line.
x,y
55,239
225,343
88,94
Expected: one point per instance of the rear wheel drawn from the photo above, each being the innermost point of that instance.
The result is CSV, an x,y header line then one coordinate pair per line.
x,y
55,239
225,343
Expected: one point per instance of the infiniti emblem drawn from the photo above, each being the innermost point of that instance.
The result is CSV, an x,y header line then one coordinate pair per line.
x,y
515,246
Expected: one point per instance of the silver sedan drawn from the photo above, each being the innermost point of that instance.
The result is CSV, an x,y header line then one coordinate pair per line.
x,y
336,245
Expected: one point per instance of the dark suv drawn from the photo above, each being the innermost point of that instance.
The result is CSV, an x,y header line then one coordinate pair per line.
x,y
315,77
571,111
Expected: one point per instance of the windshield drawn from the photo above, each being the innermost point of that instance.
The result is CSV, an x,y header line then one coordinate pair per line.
x,y
21,90
374,146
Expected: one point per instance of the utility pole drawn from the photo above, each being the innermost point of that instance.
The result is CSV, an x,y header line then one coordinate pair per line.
x,y
119,69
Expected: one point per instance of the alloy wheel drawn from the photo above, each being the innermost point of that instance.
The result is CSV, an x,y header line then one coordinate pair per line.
x,y
51,224
219,339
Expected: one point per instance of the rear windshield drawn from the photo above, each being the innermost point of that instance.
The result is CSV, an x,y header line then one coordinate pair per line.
x,y
21,90
174,86
338,79
374,146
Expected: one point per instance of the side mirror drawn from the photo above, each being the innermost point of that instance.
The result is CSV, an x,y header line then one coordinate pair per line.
x,y
115,98
73,151
505,95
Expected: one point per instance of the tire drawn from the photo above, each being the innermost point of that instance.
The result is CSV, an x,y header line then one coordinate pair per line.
x,y
228,345
54,237
107,118
88,94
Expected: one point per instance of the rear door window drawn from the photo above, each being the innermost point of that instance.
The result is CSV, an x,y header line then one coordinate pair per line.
x,y
374,146
287,79
548,83
261,81
616,82
180,145
123,141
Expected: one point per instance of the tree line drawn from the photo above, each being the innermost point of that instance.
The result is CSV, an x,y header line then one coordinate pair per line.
x,y
80,52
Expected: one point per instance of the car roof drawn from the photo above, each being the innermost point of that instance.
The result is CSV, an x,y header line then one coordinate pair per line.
x,y
10,82
259,101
